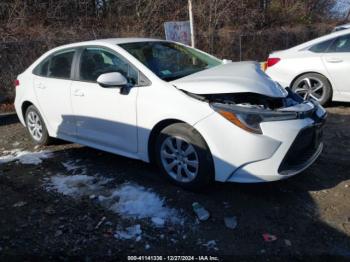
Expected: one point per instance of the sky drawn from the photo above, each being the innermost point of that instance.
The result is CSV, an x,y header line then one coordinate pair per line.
x,y
342,6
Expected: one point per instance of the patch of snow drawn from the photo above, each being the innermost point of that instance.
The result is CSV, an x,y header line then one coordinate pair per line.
x,y
159,222
128,200
72,166
211,245
132,232
20,204
138,238
134,201
25,157
75,185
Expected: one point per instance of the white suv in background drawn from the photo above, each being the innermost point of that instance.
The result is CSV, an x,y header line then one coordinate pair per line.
x,y
198,118
318,69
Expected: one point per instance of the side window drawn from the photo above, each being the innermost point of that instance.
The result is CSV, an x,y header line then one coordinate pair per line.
x,y
341,45
60,65
96,61
321,47
42,68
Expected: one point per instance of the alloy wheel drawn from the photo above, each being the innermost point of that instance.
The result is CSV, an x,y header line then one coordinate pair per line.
x,y
35,126
310,87
179,158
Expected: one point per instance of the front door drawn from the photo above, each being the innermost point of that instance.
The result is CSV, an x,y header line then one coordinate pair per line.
x,y
337,62
104,116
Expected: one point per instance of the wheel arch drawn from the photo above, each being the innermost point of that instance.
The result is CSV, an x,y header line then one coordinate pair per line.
x,y
156,131
154,134
24,108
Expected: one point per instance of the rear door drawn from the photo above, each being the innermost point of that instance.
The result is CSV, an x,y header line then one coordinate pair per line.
x,y
337,62
52,85
103,115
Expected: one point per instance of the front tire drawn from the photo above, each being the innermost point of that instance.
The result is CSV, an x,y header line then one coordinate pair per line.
x,y
313,85
183,157
36,127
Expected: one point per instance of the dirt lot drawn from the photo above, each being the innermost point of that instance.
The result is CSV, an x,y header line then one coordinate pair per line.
x,y
309,214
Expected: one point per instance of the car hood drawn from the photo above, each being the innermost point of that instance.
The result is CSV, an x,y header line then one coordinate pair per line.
x,y
238,77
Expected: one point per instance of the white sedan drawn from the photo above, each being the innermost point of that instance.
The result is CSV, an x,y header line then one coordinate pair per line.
x,y
199,118
318,69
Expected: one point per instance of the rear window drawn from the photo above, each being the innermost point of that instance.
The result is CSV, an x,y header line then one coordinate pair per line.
x,y
42,68
321,47
341,45
60,65
56,66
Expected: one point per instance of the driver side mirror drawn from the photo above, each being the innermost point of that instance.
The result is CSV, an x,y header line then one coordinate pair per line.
x,y
113,79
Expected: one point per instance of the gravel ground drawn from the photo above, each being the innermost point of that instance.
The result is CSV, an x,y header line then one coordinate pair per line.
x,y
308,215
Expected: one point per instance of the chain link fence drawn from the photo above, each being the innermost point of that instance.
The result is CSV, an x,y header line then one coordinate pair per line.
x,y
15,57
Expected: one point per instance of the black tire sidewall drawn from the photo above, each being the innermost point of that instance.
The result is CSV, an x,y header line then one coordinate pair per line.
x,y
45,137
327,86
206,170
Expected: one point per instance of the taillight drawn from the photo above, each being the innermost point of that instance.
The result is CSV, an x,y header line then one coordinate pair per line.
x,y
16,82
272,61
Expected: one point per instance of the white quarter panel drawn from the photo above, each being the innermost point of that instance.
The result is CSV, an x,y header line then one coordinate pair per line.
x,y
24,92
294,64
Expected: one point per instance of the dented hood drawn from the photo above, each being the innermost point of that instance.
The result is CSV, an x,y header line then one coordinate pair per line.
x,y
239,77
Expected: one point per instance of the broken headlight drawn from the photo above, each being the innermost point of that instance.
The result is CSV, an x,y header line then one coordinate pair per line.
x,y
249,118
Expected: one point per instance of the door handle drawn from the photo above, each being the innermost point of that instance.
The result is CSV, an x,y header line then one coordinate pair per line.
x,y
334,60
79,93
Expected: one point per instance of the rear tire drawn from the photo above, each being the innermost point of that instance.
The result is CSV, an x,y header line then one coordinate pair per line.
x,y
36,127
313,85
183,157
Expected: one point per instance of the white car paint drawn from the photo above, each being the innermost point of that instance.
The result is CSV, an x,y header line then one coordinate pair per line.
x,y
299,60
105,119
228,78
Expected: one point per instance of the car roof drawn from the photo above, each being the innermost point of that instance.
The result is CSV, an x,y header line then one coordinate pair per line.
x,y
108,41
341,27
117,41
321,39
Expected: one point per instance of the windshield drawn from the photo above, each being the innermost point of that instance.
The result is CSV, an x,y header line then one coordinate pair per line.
x,y
170,61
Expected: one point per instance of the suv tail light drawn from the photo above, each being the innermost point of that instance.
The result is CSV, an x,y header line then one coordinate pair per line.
x,y
272,61
16,83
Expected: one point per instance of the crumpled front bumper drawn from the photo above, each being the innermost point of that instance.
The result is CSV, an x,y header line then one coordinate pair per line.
x,y
244,157
302,153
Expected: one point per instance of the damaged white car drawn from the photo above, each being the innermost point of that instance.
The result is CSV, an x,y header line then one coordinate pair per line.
x,y
199,118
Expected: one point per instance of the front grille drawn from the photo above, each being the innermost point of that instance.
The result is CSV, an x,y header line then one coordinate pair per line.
x,y
303,148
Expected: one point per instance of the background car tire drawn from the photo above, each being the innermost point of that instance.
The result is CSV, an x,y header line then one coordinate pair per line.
x,y
325,93
190,141
32,118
